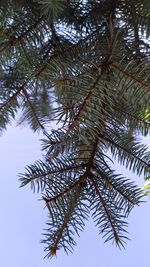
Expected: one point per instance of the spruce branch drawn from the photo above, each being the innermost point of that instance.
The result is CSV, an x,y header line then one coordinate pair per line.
x,y
85,101
145,163
32,109
67,217
14,40
117,184
76,64
108,214
40,170
79,183
143,85
11,99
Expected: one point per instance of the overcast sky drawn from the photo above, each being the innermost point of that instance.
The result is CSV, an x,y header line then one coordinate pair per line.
x,y
23,217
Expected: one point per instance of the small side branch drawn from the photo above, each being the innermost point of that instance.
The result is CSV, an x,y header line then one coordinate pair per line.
x,y
13,97
132,78
32,108
13,39
127,151
79,183
115,234
86,100
67,217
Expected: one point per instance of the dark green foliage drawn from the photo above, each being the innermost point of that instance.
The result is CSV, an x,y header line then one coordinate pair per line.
x,y
86,66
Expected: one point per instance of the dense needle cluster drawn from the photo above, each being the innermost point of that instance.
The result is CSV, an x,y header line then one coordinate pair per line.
x,y
86,66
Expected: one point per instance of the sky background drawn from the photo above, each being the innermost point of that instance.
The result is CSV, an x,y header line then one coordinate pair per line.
x,y
23,218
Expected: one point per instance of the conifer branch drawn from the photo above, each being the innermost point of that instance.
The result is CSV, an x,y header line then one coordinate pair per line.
x,y
41,175
13,40
13,97
138,118
85,101
67,217
65,52
81,181
78,184
119,190
9,101
131,77
77,63
32,108
127,151
115,234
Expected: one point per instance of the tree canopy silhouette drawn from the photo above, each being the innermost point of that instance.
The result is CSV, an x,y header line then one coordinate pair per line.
x,y
85,66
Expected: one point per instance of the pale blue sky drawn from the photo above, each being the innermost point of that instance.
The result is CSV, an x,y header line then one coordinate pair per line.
x,y
23,218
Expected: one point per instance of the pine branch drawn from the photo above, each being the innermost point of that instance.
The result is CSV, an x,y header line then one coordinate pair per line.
x,y
134,155
108,214
48,169
70,210
131,77
13,40
76,63
65,52
138,118
12,98
85,101
117,184
32,109
79,183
